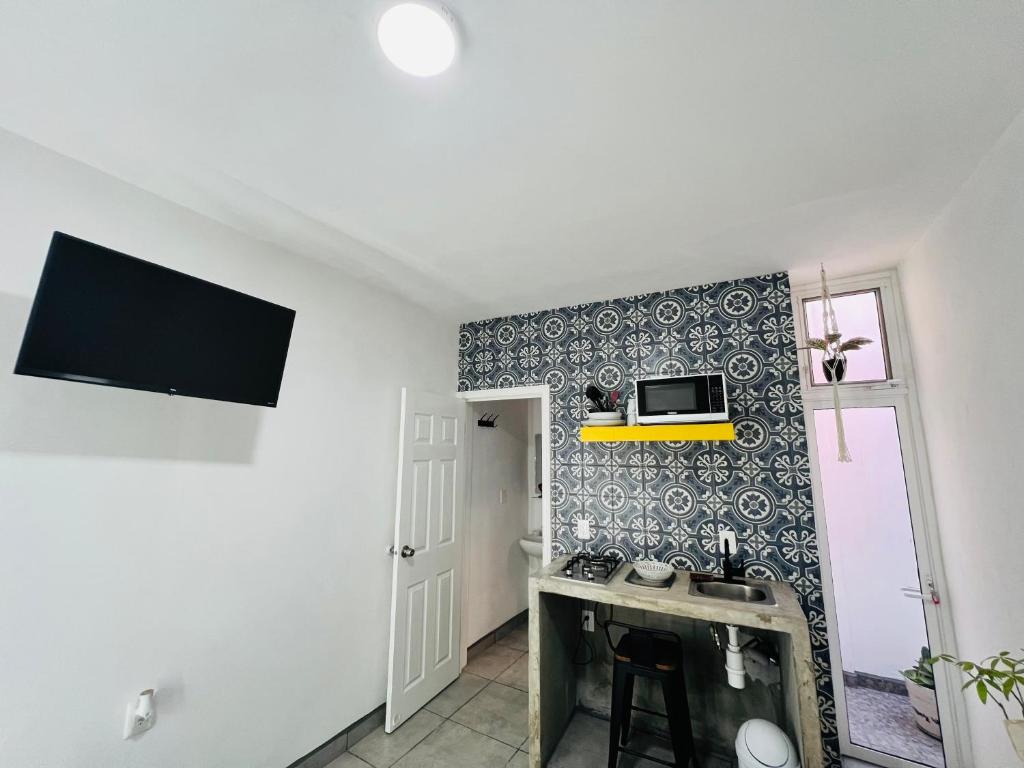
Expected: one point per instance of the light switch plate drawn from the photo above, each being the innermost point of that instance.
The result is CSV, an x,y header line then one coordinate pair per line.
x,y
725,535
583,528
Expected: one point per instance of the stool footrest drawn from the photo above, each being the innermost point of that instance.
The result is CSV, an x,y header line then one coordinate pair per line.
x,y
634,753
648,711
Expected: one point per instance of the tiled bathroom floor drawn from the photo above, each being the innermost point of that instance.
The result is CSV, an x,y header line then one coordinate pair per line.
x,y
885,722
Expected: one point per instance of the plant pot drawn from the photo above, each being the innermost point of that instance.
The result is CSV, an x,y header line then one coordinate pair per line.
x,y
1015,729
834,367
926,708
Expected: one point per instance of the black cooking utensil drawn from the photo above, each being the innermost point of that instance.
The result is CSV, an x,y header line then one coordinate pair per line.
x,y
595,395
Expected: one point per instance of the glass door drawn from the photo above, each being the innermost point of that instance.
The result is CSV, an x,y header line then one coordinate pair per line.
x,y
881,611
881,564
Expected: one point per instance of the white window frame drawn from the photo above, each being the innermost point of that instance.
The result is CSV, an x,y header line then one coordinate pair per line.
x,y
899,392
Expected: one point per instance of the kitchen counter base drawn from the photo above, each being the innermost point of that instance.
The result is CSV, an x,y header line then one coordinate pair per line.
x,y
555,606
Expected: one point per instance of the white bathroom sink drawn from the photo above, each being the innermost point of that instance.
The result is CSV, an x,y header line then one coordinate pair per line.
x,y
533,544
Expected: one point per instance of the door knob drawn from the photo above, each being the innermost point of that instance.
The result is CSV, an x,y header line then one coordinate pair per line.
x,y
408,551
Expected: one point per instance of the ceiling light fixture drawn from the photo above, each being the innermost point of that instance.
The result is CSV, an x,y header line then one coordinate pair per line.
x,y
418,38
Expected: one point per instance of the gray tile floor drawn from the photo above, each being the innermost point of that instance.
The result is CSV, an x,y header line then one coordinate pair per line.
x,y
493,661
479,721
518,638
585,745
885,722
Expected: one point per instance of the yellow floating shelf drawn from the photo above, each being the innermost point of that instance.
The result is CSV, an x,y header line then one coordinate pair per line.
x,y
665,433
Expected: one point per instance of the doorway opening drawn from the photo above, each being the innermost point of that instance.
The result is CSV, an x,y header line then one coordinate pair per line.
x,y
506,527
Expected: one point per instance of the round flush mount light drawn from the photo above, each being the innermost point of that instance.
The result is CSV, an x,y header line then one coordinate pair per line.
x,y
418,38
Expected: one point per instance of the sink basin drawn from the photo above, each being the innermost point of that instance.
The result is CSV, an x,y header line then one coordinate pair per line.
x,y
738,592
533,544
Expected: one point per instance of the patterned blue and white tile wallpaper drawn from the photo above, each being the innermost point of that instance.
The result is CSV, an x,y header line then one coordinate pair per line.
x,y
668,500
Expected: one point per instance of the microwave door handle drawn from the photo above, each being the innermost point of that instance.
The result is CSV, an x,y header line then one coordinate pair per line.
x,y
703,385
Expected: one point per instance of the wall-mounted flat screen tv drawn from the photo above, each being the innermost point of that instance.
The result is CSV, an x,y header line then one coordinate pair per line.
x,y
103,317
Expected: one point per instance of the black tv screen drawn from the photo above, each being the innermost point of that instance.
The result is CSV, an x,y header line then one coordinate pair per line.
x,y
103,317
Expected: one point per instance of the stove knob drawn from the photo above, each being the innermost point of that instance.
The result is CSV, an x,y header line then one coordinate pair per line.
x,y
590,575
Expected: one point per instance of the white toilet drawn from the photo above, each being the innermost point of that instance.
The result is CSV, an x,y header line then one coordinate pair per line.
x,y
761,744
533,546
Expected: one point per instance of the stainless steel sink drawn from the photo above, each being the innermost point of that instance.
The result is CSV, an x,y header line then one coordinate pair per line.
x,y
737,591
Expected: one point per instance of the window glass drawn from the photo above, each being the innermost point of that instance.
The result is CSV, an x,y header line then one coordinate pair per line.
x,y
858,314
867,511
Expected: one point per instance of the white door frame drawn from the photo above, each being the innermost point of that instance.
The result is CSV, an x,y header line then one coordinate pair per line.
x,y
540,392
900,393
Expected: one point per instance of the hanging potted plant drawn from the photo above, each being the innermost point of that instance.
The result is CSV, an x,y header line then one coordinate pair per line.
x,y
920,682
999,679
834,349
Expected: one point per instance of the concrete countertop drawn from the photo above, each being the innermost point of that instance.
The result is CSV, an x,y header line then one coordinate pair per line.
x,y
785,616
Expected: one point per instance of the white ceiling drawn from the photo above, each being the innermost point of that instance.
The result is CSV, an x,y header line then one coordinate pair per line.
x,y
579,149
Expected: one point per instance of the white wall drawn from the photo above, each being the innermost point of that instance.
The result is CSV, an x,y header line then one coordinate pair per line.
x,y
963,289
228,555
496,583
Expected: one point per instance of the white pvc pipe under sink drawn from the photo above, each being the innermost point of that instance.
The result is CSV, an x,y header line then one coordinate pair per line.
x,y
734,659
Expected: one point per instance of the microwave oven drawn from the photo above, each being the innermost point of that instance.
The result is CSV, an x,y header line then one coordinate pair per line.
x,y
681,399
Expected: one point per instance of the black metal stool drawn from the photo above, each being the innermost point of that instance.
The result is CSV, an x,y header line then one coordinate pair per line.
x,y
656,655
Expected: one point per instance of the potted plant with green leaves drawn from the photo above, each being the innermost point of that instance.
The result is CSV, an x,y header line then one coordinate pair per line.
x,y
998,679
920,682
834,349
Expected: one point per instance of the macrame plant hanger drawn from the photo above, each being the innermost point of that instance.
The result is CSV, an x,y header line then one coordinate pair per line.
x,y
830,331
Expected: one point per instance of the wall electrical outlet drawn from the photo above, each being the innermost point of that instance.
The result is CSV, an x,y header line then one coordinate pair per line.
x,y
135,724
588,621
583,528
140,715
725,535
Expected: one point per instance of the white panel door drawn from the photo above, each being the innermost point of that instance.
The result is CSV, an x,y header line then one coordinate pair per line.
x,y
426,605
